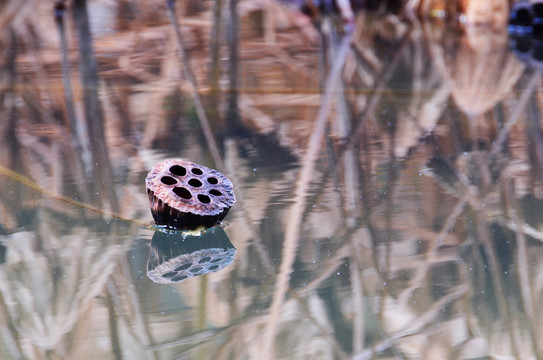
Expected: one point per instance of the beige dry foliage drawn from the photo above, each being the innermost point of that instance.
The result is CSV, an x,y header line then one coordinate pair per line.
x,y
383,256
477,66
490,13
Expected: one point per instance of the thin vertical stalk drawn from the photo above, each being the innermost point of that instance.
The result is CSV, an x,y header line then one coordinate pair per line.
x,y
113,326
295,214
377,91
519,109
421,271
10,133
60,10
358,297
10,336
233,41
496,277
215,70
202,309
269,22
415,327
343,128
523,268
126,287
534,136
206,128
93,111
331,338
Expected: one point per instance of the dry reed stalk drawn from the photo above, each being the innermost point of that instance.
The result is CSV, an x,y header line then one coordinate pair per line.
x,y
10,341
33,185
111,294
534,135
232,36
164,85
56,303
66,78
129,308
269,22
340,353
523,273
343,129
13,12
415,327
215,69
421,270
298,99
517,112
199,337
256,238
296,211
329,266
93,111
428,96
525,229
187,69
358,297
376,93
494,266
383,248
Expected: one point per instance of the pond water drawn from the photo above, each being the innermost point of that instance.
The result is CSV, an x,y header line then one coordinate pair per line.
x,y
388,185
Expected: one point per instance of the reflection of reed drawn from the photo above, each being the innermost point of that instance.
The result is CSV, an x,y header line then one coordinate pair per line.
x,y
93,109
296,213
477,66
206,127
48,294
379,261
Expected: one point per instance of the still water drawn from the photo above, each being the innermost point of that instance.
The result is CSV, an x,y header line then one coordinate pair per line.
x,y
388,185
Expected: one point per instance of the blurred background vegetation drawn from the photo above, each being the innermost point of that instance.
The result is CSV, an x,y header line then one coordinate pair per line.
x,y
386,157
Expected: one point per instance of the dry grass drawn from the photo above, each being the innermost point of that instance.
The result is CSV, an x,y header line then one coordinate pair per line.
x,y
388,194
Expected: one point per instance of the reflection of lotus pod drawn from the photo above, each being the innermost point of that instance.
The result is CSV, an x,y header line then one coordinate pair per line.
x,y
185,195
174,257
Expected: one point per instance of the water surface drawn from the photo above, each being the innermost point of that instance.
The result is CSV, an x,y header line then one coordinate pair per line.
x,y
409,230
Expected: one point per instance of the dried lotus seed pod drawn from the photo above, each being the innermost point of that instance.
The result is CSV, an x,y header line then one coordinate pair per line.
x,y
185,195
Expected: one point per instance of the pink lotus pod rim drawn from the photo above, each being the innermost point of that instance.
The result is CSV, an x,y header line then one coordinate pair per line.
x,y
190,188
